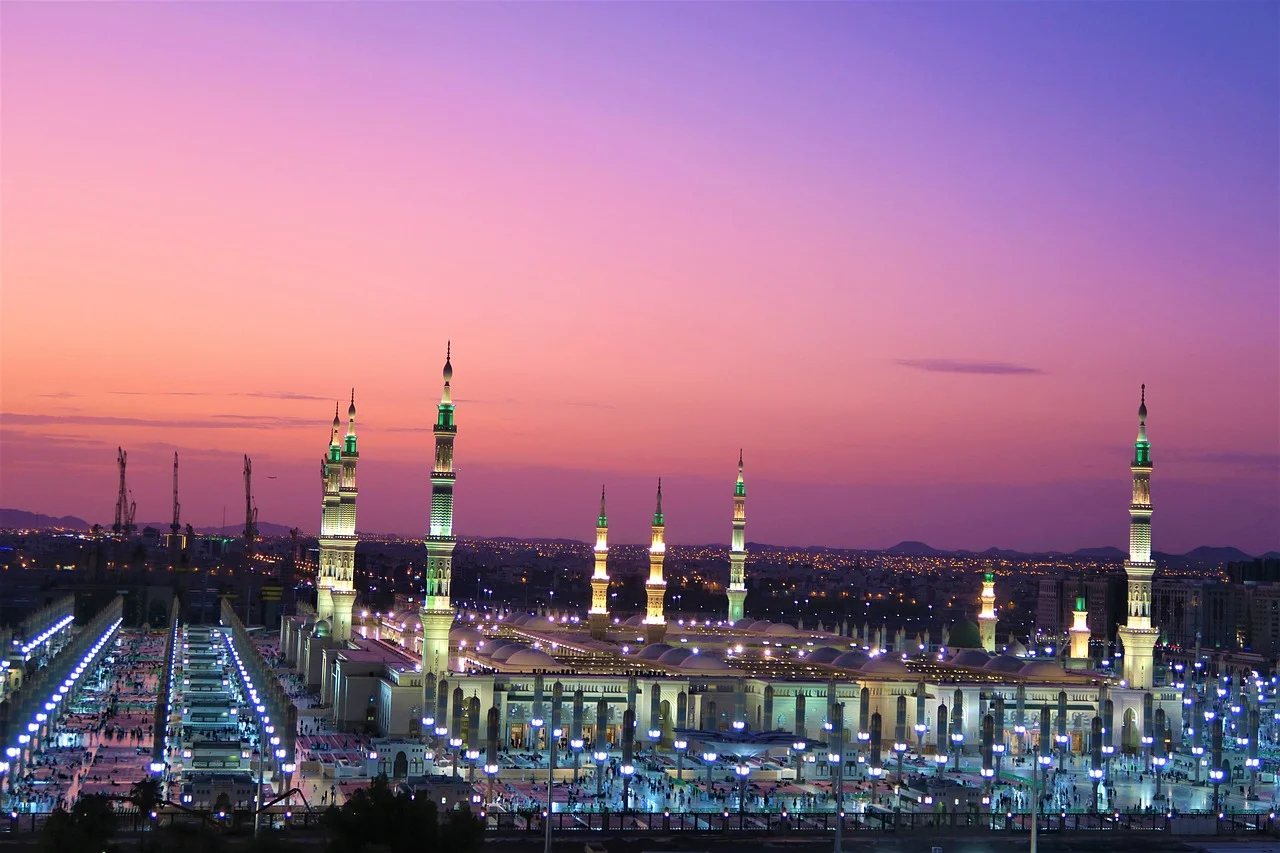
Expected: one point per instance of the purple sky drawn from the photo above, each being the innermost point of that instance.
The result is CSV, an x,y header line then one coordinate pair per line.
x,y
915,258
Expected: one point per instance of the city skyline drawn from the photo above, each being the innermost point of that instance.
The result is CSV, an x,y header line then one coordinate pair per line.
x,y
915,263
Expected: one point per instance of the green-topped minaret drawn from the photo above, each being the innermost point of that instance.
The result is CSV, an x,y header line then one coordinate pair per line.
x,y
598,616
1138,634
342,590
655,588
437,606
1079,631
987,616
738,549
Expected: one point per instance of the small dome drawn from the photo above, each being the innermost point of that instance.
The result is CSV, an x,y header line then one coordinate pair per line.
x,y
780,630
323,629
635,621
851,660
965,634
1017,649
760,626
1003,663
675,657
508,651
653,651
972,658
704,663
885,665
826,654
1041,669
470,636
531,659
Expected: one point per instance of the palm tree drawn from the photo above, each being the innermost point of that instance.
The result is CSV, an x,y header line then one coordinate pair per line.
x,y
145,796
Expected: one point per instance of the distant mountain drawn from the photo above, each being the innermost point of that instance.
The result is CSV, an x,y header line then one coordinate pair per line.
x,y
1210,554
1110,552
1271,555
265,528
914,549
21,519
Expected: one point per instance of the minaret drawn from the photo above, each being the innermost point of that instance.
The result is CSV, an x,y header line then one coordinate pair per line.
x,y
1080,629
738,549
1138,635
342,584
330,524
987,618
655,623
437,608
598,616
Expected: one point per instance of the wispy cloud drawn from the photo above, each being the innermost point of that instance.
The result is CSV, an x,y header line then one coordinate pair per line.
x,y
215,422
262,395
954,365
1245,458
509,401
60,395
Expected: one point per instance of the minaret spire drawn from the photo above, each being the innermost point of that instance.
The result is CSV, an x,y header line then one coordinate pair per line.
x,y
656,587
598,616
987,616
1137,633
342,591
437,609
737,591
1079,630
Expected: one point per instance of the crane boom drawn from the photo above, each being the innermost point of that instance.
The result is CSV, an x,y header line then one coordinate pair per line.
x,y
174,526
122,497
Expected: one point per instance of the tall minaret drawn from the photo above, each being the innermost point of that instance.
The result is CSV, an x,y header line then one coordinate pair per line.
x,y
655,588
1138,634
330,522
598,616
437,609
987,617
342,589
738,549
1080,628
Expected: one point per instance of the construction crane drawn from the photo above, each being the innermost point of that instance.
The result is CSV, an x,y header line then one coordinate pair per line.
x,y
174,526
250,511
122,497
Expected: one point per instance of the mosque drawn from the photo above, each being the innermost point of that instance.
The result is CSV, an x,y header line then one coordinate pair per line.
x,y
525,680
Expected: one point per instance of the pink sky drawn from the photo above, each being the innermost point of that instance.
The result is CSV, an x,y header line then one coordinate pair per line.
x,y
915,259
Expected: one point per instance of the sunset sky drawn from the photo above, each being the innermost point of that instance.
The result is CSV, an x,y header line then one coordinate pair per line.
x,y
915,259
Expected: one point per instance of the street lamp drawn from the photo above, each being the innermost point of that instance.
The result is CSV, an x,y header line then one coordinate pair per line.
x,y
681,746
709,758
799,747
600,756
743,772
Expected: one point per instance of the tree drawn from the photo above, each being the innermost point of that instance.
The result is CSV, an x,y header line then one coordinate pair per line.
x,y
85,829
145,795
462,832
375,815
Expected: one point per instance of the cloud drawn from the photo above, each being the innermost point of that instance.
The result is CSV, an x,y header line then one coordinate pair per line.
x,y
1250,459
262,395
60,395
954,365
216,422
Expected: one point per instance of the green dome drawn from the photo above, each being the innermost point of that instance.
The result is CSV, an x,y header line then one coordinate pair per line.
x,y
965,635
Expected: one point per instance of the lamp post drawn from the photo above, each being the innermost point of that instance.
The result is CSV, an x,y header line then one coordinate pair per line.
x,y
743,771
798,748
837,756
600,755
262,757
556,734
681,746
1043,761
709,759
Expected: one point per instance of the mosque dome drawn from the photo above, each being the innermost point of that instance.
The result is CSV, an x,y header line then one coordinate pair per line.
x,y
531,659
972,658
675,657
653,651
502,655
851,660
780,629
965,634
885,665
704,663
1003,663
826,654
1017,649
1044,669
636,621
470,636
